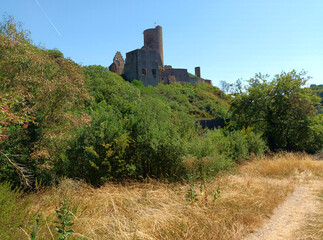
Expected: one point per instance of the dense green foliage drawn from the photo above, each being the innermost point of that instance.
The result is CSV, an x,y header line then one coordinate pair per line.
x,y
129,135
135,131
201,101
319,90
283,110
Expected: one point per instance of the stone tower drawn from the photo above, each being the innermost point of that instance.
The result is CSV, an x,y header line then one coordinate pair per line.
x,y
153,40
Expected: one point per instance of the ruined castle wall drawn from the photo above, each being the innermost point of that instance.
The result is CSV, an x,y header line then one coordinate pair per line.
x,y
193,80
130,67
208,81
143,65
181,75
118,64
202,80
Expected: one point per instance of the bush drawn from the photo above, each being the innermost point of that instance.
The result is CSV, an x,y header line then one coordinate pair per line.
x,y
98,151
159,140
236,145
315,141
131,135
48,89
256,145
55,53
281,108
201,101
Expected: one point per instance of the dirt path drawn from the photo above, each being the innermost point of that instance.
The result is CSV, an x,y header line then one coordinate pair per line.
x,y
290,216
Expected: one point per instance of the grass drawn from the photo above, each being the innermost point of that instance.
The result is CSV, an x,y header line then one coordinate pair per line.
x,y
13,213
313,229
284,165
157,210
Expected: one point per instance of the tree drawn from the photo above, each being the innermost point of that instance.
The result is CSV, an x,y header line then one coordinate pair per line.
x,y
281,108
319,90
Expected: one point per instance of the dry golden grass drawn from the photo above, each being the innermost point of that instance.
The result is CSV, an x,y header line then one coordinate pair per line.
x,y
313,230
284,165
156,210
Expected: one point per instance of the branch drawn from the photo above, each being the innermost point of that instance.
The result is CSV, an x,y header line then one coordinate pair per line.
x,y
25,232
22,172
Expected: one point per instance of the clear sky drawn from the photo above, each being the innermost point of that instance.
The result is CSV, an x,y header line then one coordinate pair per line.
x,y
228,39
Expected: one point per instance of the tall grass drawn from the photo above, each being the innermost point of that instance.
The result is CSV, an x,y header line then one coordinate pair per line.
x,y
156,210
159,210
284,165
13,213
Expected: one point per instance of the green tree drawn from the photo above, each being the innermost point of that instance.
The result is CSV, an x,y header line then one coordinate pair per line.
x,y
281,108
319,91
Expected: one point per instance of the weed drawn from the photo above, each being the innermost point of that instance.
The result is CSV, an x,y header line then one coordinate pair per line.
x,y
217,193
36,229
191,195
64,215
198,170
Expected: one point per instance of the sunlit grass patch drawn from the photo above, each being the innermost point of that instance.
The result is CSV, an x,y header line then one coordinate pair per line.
x,y
284,165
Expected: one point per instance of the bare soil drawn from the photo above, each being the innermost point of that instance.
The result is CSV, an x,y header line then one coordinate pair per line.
x,y
291,215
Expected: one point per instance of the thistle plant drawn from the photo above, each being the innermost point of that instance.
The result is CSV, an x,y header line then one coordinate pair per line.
x,y
36,229
198,170
64,216
217,193
203,168
191,195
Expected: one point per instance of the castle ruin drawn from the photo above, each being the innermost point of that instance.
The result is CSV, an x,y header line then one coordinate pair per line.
x,y
147,64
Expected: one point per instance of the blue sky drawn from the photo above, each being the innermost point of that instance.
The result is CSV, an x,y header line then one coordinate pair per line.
x,y
229,39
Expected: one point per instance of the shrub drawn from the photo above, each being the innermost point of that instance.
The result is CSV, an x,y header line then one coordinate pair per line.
x,y
49,89
98,151
55,53
236,145
131,134
315,141
281,108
